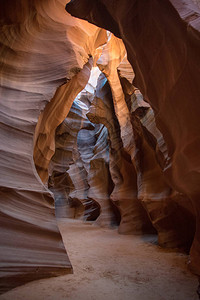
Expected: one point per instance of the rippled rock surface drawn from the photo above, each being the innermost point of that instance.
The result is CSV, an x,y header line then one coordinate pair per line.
x,y
164,53
39,54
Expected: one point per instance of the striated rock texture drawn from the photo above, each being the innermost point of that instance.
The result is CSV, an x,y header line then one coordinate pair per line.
x,y
167,210
80,177
53,114
40,51
108,153
171,213
112,55
31,245
79,42
164,53
68,180
123,174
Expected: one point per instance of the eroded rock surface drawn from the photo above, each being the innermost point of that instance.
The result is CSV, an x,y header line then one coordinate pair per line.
x,y
112,155
164,53
80,166
39,53
123,173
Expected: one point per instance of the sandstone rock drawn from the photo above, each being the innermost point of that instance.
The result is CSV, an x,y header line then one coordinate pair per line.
x,y
162,43
68,180
39,53
168,210
123,174
79,167
53,114
99,180
31,245
135,155
112,55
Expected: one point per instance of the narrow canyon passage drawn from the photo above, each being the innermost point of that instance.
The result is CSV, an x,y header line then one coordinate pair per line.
x,y
99,149
110,266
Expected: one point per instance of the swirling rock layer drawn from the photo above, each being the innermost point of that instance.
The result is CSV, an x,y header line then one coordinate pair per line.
x,y
80,166
31,245
164,53
123,174
39,53
108,153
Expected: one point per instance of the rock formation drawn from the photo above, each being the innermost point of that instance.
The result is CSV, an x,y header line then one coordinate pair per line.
x,y
121,150
53,114
39,53
162,43
68,180
170,212
80,166
123,174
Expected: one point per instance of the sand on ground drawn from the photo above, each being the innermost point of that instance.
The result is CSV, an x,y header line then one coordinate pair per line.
x,y
109,266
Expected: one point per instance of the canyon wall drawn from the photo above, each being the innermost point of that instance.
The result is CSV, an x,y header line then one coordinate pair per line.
x,y
39,55
162,43
122,152
130,175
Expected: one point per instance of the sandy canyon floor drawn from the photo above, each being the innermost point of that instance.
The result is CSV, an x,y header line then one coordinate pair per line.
x,y
109,266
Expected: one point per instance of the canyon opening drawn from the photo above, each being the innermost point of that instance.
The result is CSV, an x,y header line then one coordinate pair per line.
x,y
99,150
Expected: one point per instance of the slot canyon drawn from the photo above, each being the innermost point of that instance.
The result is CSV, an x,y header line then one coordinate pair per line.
x,y
99,150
